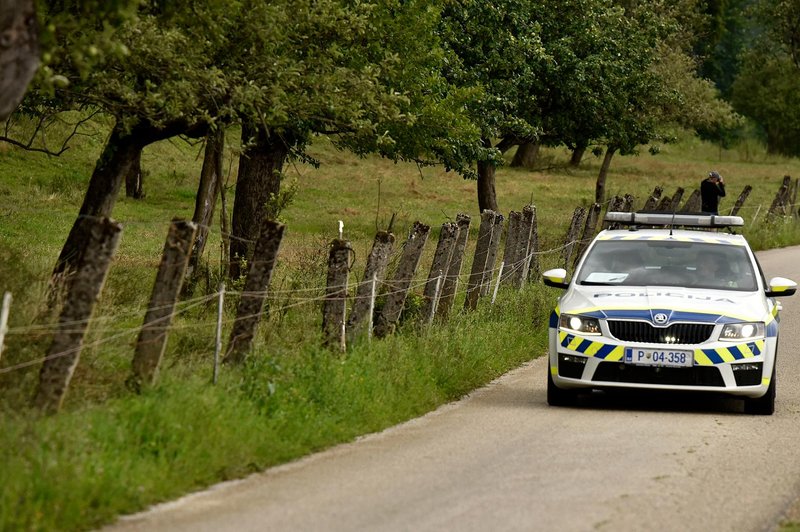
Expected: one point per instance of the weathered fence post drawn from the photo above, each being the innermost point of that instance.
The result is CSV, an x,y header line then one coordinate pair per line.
x,y
511,257
532,263
781,198
652,201
491,258
740,201
616,204
4,319
334,309
153,335
84,287
693,203
398,288
676,200
435,299
664,204
248,313
627,205
522,254
377,262
589,229
441,261
572,235
481,256
453,272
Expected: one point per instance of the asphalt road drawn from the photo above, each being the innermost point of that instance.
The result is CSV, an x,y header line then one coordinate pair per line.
x,y
501,459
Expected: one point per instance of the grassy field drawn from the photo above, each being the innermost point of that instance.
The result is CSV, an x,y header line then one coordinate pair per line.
x,y
111,452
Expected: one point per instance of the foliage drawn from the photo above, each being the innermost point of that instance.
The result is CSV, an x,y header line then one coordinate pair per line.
x,y
767,87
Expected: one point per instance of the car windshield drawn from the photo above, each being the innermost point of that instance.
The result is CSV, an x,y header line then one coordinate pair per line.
x,y
668,263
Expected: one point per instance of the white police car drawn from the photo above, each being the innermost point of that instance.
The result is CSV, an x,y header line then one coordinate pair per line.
x,y
660,308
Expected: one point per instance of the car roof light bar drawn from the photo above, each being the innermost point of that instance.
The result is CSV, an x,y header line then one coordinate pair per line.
x,y
669,219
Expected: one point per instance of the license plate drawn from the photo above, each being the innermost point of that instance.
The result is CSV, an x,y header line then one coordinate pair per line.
x,y
658,357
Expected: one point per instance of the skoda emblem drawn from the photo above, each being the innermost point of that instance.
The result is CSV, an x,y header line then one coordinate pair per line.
x,y
660,318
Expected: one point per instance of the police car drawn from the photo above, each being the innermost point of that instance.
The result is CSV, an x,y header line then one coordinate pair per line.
x,y
667,302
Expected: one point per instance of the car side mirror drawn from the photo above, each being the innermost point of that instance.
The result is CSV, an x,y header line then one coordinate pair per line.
x,y
556,278
780,286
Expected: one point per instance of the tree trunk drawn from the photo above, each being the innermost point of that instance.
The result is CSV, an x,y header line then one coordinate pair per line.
x,y
133,180
113,165
487,197
259,179
19,52
577,154
600,188
526,156
207,191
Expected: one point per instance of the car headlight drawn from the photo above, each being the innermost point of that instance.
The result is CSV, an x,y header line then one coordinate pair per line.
x,y
742,331
581,324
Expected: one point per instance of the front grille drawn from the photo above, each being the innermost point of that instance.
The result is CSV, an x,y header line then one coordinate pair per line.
x,y
694,376
677,333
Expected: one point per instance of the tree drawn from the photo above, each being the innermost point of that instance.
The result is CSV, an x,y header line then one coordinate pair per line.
x,y
367,75
167,86
495,46
19,52
767,89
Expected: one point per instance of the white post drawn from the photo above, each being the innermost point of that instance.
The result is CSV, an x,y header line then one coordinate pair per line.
x,y
218,347
497,284
4,319
341,229
435,301
372,304
755,216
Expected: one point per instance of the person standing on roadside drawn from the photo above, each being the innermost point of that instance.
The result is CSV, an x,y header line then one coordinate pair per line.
x,y
712,189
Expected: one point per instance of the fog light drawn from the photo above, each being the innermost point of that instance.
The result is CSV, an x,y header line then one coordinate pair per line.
x,y
746,367
571,366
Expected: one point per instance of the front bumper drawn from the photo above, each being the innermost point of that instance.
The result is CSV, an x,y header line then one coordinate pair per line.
x,y
742,369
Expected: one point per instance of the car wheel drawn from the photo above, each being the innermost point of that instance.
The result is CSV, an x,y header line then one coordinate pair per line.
x,y
557,396
764,405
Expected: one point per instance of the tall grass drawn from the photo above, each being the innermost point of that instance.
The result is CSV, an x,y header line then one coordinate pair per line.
x,y
111,452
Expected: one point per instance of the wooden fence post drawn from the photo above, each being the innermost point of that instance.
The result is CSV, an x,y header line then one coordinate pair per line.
x,y
453,272
533,263
693,203
377,261
398,288
83,289
740,201
781,198
334,309
572,235
652,201
153,335
676,200
511,258
481,256
441,261
491,258
589,229
523,255
617,204
664,204
248,313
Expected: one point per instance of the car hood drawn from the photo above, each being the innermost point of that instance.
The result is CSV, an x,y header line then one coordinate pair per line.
x,y
679,304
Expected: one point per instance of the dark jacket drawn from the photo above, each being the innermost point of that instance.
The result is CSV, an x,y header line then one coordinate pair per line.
x,y
710,193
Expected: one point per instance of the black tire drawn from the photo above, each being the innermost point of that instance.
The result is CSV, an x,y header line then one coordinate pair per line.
x,y
558,396
764,405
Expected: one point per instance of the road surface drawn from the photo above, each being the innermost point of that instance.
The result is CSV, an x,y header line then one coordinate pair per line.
x,y
501,459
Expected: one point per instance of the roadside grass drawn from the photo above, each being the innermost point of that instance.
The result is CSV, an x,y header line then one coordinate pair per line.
x,y
111,452
81,468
